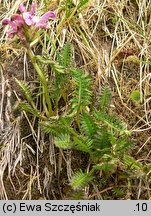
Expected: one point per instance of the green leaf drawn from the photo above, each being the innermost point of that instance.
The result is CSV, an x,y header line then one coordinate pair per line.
x,y
66,55
27,92
104,167
107,165
24,106
82,93
135,96
56,126
80,180
115,125
57,68
83,144
82,3
102,144
63,141
121,144
132,163
105,99
118,192
88,125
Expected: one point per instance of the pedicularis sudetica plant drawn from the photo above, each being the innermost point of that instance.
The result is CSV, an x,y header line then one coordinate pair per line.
x,y
68,112
26,26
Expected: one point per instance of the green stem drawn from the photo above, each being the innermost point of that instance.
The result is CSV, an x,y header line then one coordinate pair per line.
x,y
44,84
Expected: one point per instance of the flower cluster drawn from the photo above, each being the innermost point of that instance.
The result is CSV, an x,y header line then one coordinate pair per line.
x,y
26,19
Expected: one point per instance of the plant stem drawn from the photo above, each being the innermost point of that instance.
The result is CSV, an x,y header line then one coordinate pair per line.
x,y
44,84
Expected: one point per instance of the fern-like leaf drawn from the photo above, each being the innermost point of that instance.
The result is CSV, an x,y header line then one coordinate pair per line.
x,y
64,58
66,55
102,144
55,127
122,144
88,125
105,99
115,125
82,94
107,166
24,106
83,144
80,180
57,68
27,92
63,141
131,163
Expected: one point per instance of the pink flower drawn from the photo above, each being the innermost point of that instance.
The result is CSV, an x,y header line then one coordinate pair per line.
x,y
28,15
31,19
42,22
17,19
22,8
15,22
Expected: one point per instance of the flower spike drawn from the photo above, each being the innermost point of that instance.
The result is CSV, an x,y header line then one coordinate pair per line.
x,y
17,22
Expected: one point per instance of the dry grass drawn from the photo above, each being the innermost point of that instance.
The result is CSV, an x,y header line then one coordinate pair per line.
x,y
112,41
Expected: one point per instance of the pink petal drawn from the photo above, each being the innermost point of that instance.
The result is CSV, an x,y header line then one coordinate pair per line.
x,y
13,25
35,19
17,19
13,30
28,18
32,11
41,25
22,8
5,21
11,33
44,18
